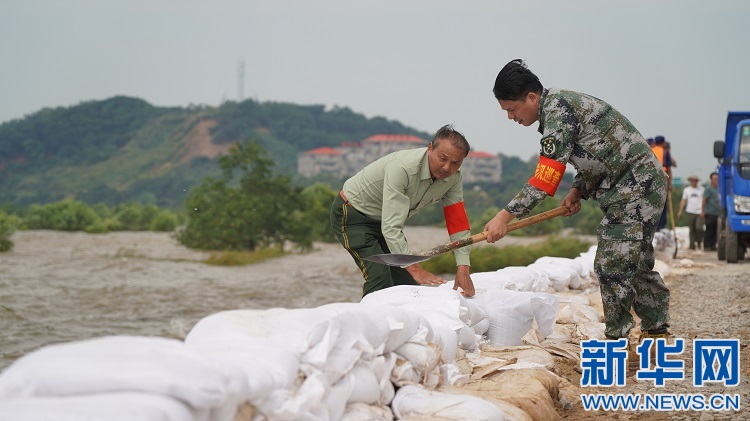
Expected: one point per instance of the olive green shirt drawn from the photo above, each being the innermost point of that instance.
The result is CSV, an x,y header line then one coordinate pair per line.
x,y
398,186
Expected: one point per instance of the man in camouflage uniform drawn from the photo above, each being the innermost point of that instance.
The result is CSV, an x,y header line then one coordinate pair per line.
x,y
616,167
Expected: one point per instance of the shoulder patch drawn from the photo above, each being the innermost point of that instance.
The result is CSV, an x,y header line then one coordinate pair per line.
x,y
548,145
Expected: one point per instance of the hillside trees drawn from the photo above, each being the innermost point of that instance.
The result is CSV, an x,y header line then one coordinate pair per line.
x,y
249,207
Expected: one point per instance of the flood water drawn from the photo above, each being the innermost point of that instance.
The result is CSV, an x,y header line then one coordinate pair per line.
x,y
60,286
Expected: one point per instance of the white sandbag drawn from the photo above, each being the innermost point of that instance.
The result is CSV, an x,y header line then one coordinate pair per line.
x,y
267,367
337,344
408,295
586,260
415,403
475,313
305,402
359,385
512,313
578,313
360,411
287,327
424,357
401,323
481,327
135,363
445,312
250,339
517,278
452,375
447,339
563,261
562,333
586,331
122,406
577,298
404,373
367,382
561,272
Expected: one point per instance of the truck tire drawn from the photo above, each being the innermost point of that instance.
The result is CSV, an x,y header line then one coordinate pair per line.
x,y
722,248
733,247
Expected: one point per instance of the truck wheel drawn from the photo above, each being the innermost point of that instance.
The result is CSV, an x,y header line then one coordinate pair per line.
x,y
733,248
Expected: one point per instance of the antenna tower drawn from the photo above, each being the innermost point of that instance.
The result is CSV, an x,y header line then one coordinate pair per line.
x,y
241,81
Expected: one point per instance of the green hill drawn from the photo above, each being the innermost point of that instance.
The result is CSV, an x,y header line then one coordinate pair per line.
x,y
124,149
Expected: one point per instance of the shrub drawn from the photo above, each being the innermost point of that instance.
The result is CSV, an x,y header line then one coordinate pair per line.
x,y
164,221
8,225
67,215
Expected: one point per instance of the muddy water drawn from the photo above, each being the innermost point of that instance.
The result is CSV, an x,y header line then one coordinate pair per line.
x,y
58,287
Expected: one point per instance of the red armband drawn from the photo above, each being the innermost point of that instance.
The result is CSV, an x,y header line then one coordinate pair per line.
x,y
455,218
547,175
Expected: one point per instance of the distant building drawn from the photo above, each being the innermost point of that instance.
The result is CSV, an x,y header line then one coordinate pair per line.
x,y
348,158
320,160
482,166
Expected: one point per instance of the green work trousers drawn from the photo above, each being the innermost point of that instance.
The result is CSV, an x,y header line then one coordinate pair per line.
x,y
361,236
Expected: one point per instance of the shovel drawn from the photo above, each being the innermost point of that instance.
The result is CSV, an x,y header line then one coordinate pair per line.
x,y
409,259
671,214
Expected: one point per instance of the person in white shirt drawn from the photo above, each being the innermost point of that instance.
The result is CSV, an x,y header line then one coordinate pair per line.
x,y
692,203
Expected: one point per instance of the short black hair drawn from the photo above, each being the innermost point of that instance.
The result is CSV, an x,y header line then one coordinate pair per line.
x,y
515,81
456,138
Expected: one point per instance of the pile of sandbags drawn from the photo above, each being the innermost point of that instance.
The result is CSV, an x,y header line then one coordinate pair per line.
x,y
121,378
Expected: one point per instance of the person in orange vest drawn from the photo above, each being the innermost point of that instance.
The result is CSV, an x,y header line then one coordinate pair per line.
x,y
663,155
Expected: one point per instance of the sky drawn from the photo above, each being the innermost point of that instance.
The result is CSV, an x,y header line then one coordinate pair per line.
x,y
672,67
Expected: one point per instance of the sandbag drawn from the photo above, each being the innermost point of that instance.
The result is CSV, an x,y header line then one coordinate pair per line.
x,y
578,313
520,389
416,403
359,411
511,314
121,406
111,364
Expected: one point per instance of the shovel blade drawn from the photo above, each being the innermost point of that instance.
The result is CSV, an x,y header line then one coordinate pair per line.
x,y
396,259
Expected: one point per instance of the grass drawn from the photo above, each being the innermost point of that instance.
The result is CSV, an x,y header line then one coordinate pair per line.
x,y
489,259
241,258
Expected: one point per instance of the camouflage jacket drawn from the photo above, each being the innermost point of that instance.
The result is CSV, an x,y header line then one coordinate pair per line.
x,y
613,162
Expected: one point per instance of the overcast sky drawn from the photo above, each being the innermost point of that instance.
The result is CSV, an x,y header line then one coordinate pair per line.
x,y
673,67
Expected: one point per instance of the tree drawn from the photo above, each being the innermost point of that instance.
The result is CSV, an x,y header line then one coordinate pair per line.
x,y
248,207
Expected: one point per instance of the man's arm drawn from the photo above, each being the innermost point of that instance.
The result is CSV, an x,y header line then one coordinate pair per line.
x,y
682,206
463,281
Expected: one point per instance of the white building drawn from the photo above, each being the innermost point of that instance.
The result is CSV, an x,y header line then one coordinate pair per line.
x,y
348,158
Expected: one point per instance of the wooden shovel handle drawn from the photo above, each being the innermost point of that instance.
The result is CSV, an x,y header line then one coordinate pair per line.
x,y
482,236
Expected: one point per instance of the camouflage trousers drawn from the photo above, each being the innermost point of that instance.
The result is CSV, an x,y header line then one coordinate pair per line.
x,y
624,264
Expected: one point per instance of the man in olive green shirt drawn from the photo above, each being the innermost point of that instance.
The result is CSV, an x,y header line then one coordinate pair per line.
x,y
369,214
